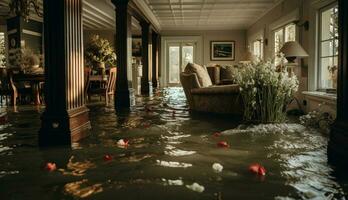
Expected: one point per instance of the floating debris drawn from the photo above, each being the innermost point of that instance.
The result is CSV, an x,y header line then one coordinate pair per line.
x,y
223,144
257,169
196,187
217,134
107,157
122,143
217,167
50,166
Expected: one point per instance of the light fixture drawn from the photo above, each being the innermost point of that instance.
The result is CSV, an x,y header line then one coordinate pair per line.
x,y
293,50
22,8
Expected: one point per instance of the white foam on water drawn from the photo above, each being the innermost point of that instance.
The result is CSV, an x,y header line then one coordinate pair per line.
x,y
265,129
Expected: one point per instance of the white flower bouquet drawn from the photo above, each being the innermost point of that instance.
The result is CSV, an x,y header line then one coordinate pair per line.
x,y
265,91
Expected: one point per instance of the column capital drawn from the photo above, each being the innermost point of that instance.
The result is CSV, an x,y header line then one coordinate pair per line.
x,y
144,24
120,2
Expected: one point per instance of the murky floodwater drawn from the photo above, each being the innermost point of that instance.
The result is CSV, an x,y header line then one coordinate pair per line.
x,y
170,149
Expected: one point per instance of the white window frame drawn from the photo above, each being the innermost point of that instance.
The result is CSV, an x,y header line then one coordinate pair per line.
x,y
260,50
283,29
319,43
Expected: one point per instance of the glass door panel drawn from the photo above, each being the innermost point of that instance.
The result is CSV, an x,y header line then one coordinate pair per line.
x,y
179,54
187,56
174,64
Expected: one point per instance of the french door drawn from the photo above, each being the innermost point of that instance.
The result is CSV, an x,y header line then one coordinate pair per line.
x,y
179,54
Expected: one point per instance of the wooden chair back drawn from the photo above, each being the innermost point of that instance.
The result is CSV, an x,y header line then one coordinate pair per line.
x,y
87,74
111,85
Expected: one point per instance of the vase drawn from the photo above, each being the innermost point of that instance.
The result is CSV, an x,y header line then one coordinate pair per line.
x,y
101,68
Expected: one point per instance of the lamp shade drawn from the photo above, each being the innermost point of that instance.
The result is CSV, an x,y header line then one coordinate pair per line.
x,y
293,49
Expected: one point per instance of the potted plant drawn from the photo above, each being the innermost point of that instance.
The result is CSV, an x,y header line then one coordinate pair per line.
x,y
98,53
265,91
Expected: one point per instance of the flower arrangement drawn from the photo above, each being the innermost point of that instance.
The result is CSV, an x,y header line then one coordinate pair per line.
x,y
318,119
26,60
265,91
99,50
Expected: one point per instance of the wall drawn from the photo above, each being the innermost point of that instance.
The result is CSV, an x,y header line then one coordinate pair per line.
x,y
285,12
237,35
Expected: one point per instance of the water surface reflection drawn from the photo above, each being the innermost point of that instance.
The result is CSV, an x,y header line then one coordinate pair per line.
x,y
170,156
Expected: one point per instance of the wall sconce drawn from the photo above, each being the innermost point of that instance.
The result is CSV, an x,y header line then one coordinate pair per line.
x,y
304,24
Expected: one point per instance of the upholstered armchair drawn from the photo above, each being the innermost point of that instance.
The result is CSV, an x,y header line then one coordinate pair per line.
x,y
203,96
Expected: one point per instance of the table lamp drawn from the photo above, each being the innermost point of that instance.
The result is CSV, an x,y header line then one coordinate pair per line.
x,y
293,50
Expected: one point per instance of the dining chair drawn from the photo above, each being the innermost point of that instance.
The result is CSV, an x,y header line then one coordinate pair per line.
x,y
5,86
87,75
19,90
107,89
111,86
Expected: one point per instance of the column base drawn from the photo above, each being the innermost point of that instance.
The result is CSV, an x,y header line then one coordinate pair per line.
x,y
146,87
122,99
65,128
338,144
155,83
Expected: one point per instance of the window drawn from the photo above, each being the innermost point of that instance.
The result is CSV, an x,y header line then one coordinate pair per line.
x,y
2,50
282,35
258,48
328,47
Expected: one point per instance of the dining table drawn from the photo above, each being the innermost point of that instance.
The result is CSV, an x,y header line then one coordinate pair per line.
x,y
35,80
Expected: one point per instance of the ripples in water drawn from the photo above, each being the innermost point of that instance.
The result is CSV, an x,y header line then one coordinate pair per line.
x,y
170,150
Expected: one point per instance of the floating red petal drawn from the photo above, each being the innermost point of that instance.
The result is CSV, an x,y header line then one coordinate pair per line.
x,y
222,144
107,157
257,169
217,134
50,166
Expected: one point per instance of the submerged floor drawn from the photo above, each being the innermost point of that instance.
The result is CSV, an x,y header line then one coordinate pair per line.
x,y
169,149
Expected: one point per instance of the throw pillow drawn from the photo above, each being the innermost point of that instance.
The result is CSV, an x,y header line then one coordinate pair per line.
x,y
201,72
227,72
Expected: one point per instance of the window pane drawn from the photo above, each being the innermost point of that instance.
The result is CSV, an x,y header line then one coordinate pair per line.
x,y
329,23
174,67
327,48
290,33
257,47
278,40
187,56
325,24
325,75
336,47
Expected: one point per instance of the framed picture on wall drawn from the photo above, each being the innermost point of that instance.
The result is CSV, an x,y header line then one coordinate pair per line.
x,y
222,50
136,46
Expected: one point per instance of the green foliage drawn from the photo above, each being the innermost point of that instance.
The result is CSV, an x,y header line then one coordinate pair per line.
x,y
318,119
99,50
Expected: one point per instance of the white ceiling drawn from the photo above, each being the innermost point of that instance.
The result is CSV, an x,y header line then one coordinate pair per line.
x,y
97,14
175,14
208,14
